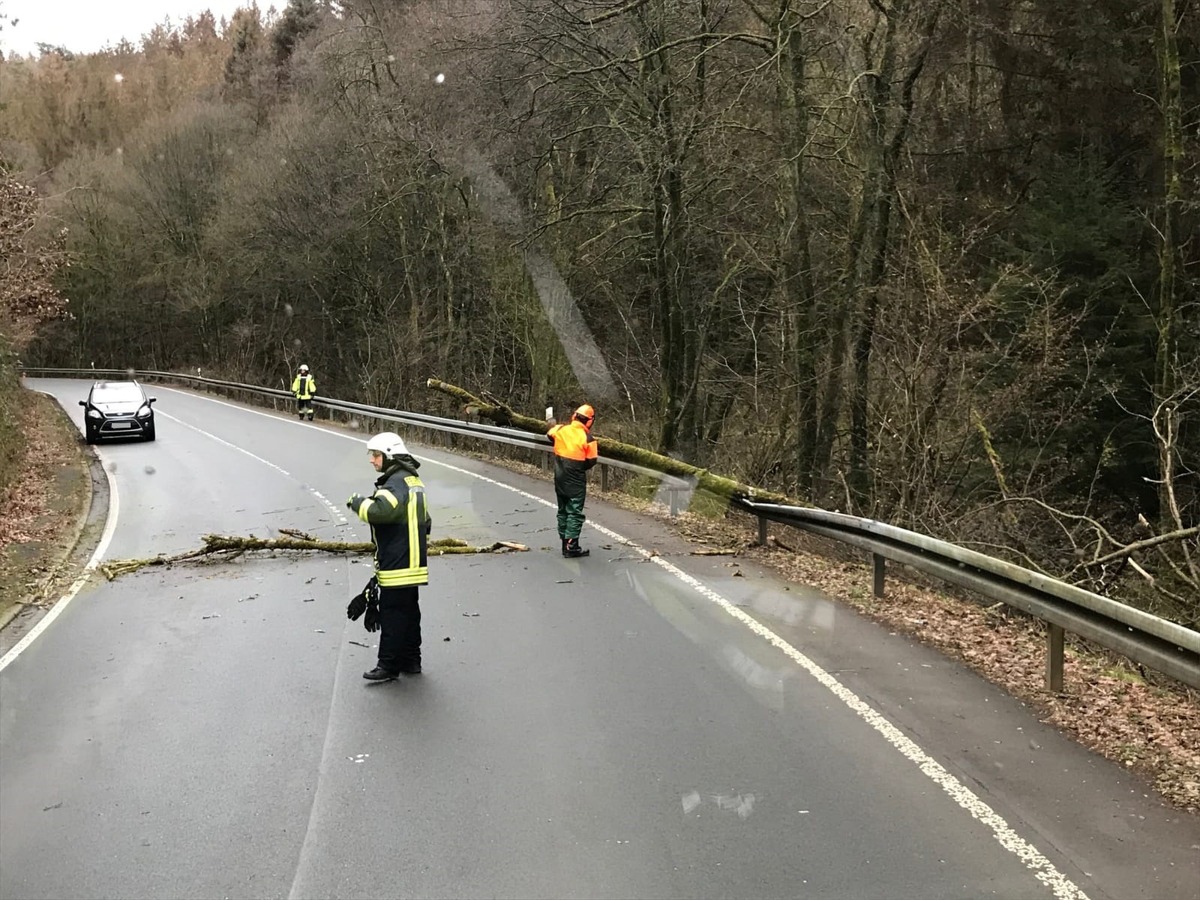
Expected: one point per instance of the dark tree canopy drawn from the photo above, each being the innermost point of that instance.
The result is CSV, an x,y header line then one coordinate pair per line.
x,y
932,262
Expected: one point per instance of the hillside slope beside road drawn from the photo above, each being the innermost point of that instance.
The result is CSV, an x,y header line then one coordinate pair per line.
x,y
604,717
45,508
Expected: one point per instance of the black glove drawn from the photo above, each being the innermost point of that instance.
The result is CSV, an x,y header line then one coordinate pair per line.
x,y
371,622
359,604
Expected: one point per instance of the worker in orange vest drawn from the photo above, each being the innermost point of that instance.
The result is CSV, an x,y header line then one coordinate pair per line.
x,y
575,452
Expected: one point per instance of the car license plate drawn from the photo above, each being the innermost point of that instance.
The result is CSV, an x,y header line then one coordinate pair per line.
x,y
122,424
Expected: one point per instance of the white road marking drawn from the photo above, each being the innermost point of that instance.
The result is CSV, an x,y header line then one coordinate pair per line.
x,y
262,412
337,513
1043,870
110,527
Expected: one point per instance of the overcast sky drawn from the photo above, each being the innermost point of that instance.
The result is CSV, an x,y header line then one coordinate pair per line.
x,y
85,26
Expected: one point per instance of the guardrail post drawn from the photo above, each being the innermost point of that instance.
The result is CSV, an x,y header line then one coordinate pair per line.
x,y
603,477
762,532
674,494
878,566
1054,657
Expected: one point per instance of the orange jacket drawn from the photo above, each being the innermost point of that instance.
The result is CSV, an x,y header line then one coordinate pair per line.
x,y
575,451
573,441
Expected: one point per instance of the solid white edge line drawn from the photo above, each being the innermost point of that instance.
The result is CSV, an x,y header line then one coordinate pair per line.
x,y
1041,867
110,527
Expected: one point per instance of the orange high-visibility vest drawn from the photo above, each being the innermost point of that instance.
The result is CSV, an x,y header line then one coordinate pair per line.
x,y
572,441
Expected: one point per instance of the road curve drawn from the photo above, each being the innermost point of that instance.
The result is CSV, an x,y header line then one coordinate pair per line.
x,y
620,726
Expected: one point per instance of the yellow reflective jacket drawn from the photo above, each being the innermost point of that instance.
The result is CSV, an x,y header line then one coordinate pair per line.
x,y
304,387
400,525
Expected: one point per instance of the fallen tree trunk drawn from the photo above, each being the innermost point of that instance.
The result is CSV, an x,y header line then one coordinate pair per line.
x,y
705,480
224,546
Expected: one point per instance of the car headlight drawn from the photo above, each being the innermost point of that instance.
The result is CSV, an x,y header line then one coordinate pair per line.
x,y
143,412
94,414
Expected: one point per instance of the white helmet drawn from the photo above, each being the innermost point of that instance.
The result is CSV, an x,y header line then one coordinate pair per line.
x,y
304,370
388,443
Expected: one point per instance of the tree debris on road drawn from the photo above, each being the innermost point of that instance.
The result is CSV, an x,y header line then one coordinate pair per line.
x,y
226,547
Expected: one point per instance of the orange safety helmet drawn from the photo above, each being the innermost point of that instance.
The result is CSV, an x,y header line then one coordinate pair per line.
x,y
585,414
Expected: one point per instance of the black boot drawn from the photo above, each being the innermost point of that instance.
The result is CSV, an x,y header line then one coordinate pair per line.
x,y
573,550
565,547
380,674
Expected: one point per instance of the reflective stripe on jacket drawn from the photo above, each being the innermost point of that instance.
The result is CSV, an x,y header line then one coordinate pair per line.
x,y
304,386
400,525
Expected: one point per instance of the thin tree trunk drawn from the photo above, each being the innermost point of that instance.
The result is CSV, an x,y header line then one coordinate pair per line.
x,y
886,142
797,266
1166,360
678,334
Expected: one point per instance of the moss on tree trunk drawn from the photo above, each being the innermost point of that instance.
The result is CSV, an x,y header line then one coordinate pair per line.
x,y
705,480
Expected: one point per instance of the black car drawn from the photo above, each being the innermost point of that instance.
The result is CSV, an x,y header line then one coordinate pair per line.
x,y
117,409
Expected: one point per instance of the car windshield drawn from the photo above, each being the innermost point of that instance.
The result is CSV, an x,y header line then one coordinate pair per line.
x,y
116,393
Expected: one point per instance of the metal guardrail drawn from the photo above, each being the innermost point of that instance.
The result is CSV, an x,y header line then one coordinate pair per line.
x,y
1165,646
677,489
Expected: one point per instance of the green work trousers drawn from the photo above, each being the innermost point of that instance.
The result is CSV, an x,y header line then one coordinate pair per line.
x,y
570,513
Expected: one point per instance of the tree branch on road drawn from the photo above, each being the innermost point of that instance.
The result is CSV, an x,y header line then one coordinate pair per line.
x,y
224,546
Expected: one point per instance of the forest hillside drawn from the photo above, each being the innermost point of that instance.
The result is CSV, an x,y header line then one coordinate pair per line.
x,y
934,262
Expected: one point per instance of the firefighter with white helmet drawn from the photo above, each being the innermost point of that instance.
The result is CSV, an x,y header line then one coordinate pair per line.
x,y
304,386
398,514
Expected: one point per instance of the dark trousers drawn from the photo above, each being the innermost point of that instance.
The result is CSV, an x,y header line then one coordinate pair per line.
x,y
570,512
304,408
399,628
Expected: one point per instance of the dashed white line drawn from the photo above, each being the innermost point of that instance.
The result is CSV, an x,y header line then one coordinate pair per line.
x,y
110,526
1042,869
337,513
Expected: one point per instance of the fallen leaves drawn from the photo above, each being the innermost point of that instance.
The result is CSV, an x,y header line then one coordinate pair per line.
x,y
41,507
1149,726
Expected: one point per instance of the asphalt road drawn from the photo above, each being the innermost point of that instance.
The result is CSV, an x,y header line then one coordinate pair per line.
x,y
618,726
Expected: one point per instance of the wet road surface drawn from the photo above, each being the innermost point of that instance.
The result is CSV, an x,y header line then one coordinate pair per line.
x,y
617,726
